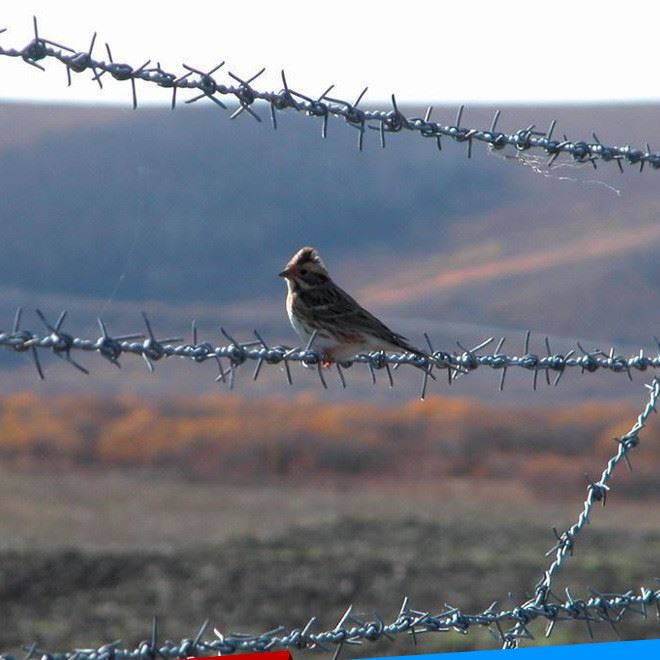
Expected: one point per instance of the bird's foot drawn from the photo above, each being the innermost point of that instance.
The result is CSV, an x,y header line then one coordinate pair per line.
x,y
326,360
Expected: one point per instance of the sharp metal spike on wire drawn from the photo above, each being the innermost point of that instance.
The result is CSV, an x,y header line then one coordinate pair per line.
x,y
459,116
133,89
493,124
316,108
245,95
200,633
549,353
502,377
154,635
360,97
341,375
338,650
562,367
308,626
429,370
33,647
108,347
389,373
260,361
24,337
372,371
287,370
288,96
496,354
319,370
433,132
61,343
273,116
17,320
236,357
175,85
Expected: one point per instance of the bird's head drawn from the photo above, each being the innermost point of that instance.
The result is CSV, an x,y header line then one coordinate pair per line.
x,y
305,269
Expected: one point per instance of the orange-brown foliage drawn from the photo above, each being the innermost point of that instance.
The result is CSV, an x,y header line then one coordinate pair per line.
x,y
225,436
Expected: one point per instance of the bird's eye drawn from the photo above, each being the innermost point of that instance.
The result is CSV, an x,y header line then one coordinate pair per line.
x,y
303,271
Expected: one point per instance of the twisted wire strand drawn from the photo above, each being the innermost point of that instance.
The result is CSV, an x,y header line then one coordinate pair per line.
x,y
257,351
596,492
384,122
352,629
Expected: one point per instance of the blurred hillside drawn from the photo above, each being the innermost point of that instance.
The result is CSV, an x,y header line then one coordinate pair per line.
x,y
187,214
115,505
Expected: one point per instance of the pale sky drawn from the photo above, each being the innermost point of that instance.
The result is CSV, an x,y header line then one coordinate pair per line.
x,y
443,52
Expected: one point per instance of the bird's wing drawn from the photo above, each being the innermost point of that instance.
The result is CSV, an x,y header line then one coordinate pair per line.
x,y
336,310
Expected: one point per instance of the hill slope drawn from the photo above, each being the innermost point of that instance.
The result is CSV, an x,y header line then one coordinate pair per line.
x,y
189,214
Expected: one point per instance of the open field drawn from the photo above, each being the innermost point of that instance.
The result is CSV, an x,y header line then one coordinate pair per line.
x,y
107,550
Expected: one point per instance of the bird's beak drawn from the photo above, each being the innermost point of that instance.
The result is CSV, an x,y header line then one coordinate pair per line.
x,y
288,272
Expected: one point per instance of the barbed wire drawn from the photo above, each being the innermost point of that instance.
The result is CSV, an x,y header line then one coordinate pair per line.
x,y
322,107
596,492
610,608
351,628
257,351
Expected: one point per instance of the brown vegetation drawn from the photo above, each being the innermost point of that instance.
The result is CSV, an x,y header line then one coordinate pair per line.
x,y
231,437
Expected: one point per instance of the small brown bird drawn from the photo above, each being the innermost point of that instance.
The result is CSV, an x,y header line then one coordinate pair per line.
x,y
343,328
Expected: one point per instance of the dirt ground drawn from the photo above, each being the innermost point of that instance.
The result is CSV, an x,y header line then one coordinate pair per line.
x,y
90,557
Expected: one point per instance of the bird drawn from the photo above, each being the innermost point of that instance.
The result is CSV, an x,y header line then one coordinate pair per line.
x,y
314,303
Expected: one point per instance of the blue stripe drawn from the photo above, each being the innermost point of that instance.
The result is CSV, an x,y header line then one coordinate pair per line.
x,y
648,648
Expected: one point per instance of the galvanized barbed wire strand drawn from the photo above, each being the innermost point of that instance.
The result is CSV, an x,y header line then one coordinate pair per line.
x,y
324,106
353,629
596,492
238,353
